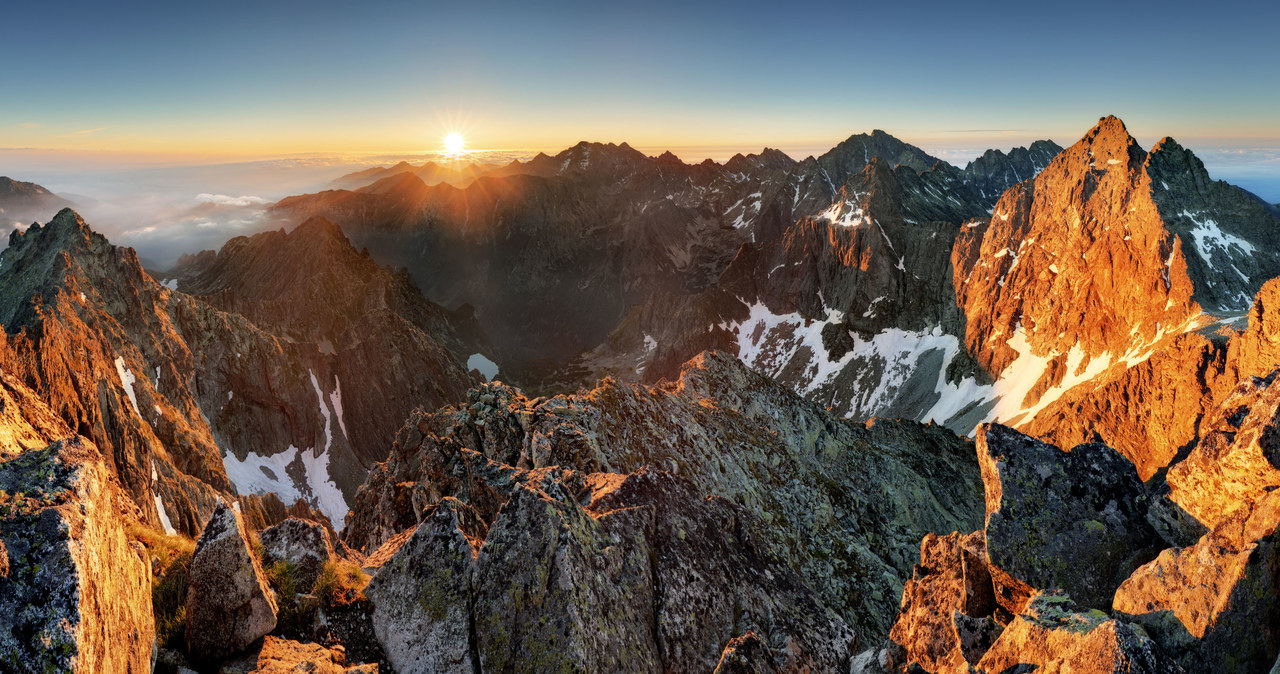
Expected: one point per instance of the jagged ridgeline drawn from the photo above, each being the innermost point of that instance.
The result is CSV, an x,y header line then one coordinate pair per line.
x,y
710,448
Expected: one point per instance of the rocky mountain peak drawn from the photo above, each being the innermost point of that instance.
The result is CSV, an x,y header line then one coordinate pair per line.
x,y
1108,144
398,186
855,152
64,232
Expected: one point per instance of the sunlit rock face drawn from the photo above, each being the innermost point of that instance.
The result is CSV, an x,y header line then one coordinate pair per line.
x,y
842,503
1053,634
74,596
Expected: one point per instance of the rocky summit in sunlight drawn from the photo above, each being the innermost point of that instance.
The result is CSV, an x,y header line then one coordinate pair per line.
x,y
597,411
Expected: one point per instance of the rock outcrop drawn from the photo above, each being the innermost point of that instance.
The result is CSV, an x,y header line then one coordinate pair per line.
x,y
845,504
945,622
1237,461
599,572
75,596
1215,605
229,605
1074,521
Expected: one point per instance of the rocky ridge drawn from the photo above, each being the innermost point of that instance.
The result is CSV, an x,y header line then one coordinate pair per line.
x,y
839,502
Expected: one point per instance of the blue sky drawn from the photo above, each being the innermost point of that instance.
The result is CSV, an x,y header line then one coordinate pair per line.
x,y
291,77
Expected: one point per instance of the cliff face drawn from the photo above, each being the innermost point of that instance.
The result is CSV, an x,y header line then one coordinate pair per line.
x,y
854,308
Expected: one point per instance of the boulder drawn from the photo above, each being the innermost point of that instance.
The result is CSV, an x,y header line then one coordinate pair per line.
x,y
1070,520
1055,635
303,543
76,597
1214,605
229,605
944,623
421,595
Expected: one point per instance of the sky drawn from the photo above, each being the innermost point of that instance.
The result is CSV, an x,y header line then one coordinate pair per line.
x,y
257,80
255,101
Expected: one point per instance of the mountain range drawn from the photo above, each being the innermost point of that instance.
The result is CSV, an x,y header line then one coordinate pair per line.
x,y
600,411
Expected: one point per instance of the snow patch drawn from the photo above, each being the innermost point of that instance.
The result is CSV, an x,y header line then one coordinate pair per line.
x,y
335,399
126,380
1209,237
258,474
171,284
164,516
324,411
776,343
838,215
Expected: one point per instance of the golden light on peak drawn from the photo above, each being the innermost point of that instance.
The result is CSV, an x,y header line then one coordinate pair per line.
x,y
454,143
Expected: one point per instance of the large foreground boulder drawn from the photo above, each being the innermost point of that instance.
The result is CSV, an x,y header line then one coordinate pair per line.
x,y
76,597
1074,520
229,605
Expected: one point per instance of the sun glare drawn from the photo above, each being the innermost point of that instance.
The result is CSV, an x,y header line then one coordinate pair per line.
x,y
454,143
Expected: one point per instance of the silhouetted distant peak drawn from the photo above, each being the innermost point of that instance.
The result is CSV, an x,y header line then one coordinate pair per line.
x,y
396,184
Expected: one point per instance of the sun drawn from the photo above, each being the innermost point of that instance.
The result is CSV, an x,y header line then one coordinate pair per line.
x,y
454,143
